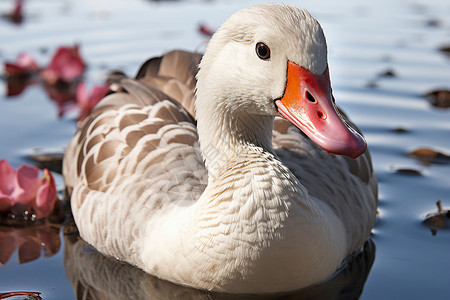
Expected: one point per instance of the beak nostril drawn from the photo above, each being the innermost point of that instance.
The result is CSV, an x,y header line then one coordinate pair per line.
x,y
310,97
321,115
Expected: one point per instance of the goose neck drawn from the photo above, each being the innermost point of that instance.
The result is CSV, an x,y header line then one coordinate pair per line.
x,y
225,134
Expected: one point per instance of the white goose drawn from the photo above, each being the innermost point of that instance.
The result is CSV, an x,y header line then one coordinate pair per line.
x,y
235,202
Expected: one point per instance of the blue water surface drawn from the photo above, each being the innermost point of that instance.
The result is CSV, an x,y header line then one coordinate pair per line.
x,y
365,40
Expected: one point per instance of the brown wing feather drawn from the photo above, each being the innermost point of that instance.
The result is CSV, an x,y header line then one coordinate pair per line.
x,y
142,107
173,74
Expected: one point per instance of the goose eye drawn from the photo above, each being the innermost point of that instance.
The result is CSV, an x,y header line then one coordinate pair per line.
x,y
262,50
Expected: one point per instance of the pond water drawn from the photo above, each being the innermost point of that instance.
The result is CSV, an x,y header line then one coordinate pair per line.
x,y
383,58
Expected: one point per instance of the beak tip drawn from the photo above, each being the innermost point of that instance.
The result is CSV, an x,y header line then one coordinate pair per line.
x,y
357,148
354,146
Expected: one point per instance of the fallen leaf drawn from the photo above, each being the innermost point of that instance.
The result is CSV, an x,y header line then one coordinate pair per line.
x,y
407,171
388,73
439,98
438,220
400,130
445,49
429,156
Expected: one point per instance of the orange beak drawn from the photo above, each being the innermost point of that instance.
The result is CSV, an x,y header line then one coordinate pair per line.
x,y
308,104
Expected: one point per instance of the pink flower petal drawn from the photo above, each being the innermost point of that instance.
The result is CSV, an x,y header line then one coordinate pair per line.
x,y
24,65
12,69
82,97
7,178
99,93
27,62
88,103
17,10
23,189
66,65
46,196
28,183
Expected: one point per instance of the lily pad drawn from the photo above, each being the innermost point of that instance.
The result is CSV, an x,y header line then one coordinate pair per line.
x,y
438,220
429,156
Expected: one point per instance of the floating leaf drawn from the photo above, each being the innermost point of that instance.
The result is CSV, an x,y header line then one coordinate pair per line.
x,y
429,156
439,98
388,73
400,130
407,171
445,49
438,220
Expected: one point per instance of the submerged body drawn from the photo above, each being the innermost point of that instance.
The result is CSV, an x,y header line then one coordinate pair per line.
x,y
236,201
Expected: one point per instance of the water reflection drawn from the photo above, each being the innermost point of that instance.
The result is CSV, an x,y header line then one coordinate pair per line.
x,y
60,79
95,276
63,93
17,84
30,242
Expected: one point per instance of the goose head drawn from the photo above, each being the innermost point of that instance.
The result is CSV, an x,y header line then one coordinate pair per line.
x,y
271,60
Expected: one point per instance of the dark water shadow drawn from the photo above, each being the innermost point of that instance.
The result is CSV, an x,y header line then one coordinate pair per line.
x,y
95,276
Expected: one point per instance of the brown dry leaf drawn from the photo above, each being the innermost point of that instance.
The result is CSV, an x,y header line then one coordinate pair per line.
x,y
439,98
438,220
429,156
407,171
388,73
445,49
400,130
